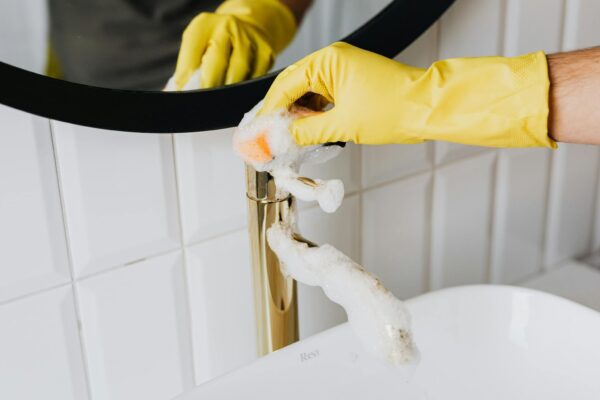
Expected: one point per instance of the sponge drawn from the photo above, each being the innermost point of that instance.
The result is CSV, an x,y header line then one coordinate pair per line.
x,y
265,142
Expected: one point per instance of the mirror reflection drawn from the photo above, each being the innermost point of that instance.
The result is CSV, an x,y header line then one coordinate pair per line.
x,y
170,44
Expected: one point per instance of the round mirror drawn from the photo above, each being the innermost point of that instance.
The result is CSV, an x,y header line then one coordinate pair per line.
x,y
134,44
105,63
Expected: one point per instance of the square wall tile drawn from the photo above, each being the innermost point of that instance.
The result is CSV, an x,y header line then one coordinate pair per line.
x,y
462,209
423,51
342,230
30,209
571,280
222,305
520,214
533,25
119,195
212,184
396,232
135,329
571,202
581,28
386,163
40,351
471,28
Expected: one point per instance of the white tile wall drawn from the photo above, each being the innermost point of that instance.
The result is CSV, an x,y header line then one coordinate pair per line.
x,y
462,209
158,294
527,29
571,203
222,310
423,51
211,185
471,28
40,352
119,195
134,324
382,164
30,210
596,232
581,28
520,213
396,228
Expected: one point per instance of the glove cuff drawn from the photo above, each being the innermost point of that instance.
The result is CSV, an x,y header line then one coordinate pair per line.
x,y
488,101
273,18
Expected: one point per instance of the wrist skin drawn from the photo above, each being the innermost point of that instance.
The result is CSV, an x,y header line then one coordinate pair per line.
x,y
575,96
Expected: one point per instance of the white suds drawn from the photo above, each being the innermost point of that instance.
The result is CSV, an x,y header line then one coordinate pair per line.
x,y
379,319
285,156
329,194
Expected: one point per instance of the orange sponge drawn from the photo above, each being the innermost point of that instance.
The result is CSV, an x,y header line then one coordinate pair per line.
x,y
257,150
259,144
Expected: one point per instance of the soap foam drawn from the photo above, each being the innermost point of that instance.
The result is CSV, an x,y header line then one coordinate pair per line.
x,y
329,194
380,320
285,157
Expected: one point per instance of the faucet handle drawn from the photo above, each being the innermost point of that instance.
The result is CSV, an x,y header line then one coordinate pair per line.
x,y
299,238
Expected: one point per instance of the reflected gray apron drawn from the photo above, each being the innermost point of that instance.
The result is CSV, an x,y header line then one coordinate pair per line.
x,y
122,44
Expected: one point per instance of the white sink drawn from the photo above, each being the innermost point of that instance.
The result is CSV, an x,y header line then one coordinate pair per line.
x,y
476,342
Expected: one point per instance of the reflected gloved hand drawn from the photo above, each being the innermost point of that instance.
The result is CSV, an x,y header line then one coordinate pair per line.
x,y
485,101
237,42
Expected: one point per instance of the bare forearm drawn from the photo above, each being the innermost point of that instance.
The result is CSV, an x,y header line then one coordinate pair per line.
x,y
298,7
575,96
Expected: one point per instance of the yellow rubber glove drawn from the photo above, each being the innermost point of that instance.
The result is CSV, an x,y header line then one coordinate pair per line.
x,y
236,42
486,101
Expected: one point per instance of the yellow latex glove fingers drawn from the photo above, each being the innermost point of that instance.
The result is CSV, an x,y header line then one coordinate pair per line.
x,y
486,101
237,42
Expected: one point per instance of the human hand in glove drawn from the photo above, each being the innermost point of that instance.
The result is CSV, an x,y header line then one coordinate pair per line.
x,y
485,101
238,41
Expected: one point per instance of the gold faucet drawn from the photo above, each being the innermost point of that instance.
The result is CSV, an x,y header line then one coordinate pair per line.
x,y
275,298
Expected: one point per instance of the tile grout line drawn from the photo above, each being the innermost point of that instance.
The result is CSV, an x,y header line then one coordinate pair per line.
x,y
435,271
491,267
74,289
184,263
428,270
528,277
360,205
502,25
596,209
114,268
547,210
539,274
542,267
563,24
435,48
35,293
431,168
493,219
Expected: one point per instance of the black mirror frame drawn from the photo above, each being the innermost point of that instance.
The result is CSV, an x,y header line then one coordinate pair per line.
x,y
388,33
